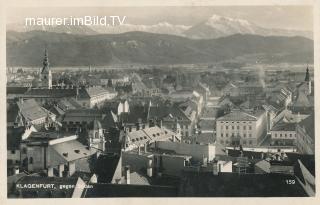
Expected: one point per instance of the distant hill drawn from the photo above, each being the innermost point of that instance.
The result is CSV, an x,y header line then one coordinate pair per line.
x,y
26,48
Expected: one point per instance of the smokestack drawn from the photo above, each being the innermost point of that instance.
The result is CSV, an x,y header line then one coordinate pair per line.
x,y
127,174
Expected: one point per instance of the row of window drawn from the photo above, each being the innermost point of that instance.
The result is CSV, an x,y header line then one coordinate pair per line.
x,y
237,127
234,135
285,135
244,142
249,122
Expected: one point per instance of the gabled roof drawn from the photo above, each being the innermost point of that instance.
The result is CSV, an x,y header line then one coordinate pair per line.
x,y
238,115
149,134
31,110
72,150
162,112
96,91
283,126
302,100
308,125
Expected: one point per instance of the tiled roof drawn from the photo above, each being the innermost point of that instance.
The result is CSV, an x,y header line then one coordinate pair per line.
x,y
96,91
150,134
283,126
55,93
302,101
72,150
167,111
31,110
308,125
238,115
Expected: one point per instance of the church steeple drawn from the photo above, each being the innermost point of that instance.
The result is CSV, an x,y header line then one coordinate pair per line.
x,y
45,75
45,67
307,78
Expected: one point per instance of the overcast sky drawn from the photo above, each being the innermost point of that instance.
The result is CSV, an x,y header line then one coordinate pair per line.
x,y
289,17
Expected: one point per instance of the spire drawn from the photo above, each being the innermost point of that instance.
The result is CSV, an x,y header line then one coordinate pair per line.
x,y
307,78
45,61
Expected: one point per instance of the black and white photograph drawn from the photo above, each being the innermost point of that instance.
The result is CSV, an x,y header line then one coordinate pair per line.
x,y
199,101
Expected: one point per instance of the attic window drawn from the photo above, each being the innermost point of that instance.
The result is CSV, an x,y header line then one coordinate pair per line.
x,y
165,132
145,137
141,138
65,154
158,134
77,151
154,135
133,140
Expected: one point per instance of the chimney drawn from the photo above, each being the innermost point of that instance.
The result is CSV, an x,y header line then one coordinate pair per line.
x,y
262,155
227,152
145,148
139,151
173,138
127,174
16,170
149,168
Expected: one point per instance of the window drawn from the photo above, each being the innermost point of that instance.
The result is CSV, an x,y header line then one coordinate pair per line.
x,y
13,151
244,135
280,134
250,142
276,135
250,135
238,127
290,135
221,134
244,127
31,160
244,142
250,127
222,142
233,127
226,127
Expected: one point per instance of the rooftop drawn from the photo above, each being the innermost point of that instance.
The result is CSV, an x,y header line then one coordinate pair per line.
x,y
238,115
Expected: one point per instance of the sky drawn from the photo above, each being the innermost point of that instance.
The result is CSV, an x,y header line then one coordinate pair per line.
x,y
287,17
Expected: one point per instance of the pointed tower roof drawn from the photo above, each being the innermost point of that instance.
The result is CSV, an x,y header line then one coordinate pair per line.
x,y
45,68
307,78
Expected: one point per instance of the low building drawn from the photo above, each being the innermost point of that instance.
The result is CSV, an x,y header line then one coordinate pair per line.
x,y
53,153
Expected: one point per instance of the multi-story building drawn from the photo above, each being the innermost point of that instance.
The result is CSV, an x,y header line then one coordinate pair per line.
x,y
90,97
305,135
241,128
283,133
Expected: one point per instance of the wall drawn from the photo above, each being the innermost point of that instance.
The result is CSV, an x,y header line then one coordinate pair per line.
x,y
194,150
135,161
172,165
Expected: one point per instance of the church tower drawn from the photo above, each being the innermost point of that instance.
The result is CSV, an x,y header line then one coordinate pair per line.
x,y
308,81
45,75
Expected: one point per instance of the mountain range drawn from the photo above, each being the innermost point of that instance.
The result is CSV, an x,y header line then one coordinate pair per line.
x,y
214,27
26,48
